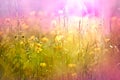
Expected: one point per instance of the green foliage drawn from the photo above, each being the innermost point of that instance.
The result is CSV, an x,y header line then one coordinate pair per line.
x,y
31,54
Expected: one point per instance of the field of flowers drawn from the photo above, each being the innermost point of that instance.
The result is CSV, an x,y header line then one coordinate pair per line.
x,y
40,48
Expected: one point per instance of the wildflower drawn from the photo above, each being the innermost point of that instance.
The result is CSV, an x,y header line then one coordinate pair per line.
x,y
58,38
15,37
38,45
58,47
31,45
21,42
42,64
72,65
32,38
23,36
44,39
38,48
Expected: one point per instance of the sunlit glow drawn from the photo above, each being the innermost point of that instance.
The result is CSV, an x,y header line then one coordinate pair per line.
x,y
60,40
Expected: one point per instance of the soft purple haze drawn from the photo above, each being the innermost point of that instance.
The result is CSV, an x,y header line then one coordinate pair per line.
x,y
10,6
103,8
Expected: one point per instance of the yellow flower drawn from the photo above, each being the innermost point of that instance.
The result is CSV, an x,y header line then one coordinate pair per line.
x,y
21,42
31,44
44,39
38,48
42,64
72,65
31,38
38,45
58,47
58,38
